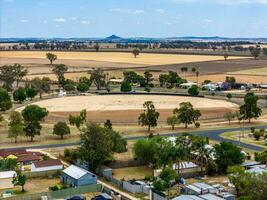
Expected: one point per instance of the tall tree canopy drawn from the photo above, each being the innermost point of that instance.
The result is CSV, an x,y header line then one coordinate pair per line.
x,y
5,100
187,114
32,115
59,70
250,108
51,57
150,116
98,77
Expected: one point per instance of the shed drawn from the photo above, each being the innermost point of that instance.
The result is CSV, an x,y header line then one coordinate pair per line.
x,y
76,176
46,165
6,178
210,197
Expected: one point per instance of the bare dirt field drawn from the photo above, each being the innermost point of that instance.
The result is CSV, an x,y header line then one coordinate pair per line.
x,y
126,108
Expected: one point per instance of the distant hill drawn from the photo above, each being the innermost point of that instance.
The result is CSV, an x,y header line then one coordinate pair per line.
x,y
117,39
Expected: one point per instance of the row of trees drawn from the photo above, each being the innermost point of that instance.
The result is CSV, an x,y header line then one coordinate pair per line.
x,y
160,152
185,114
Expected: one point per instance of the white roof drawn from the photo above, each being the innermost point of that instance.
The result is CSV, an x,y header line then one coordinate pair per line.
x,y
188,84
257,170
187,197
7,174
210,197
185,165
75,172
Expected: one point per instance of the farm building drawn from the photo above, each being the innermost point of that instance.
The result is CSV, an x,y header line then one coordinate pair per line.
x,y
76,176
6,178
46,165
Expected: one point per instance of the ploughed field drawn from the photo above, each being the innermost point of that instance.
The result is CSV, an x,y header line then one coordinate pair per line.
x,y
126,108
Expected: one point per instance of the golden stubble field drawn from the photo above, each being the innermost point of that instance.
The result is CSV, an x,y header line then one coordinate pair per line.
x,y
143,59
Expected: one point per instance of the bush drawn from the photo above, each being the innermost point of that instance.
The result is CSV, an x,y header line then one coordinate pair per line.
x,y
69,87
126,86
19,95
82,87
197,124
193,90
257,135
229,96
252,129
54,188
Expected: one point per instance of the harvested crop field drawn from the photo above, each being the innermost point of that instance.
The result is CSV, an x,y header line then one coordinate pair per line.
x,y
114,57
126,108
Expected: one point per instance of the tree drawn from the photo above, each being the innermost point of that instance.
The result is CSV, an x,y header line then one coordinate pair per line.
x,y
231,80
255,51
20,73
32,115
108,124
15,125
51,57
229,116
19,95
150,116
184,70
19,180
197,75
59,70
172,121
79,120
227,154
82,87
229,96
69,87
97,47
98,78
85,80
126,87
180,154
264,50
225,56
41,85
193,90
148,77
136,52
96,146
187,114
31,92
250,109
193,70
257,135
5,100
8,75
168,175
236,177
8,164
61,129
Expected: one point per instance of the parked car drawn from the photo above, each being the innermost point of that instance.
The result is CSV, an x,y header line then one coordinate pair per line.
x,y
76,198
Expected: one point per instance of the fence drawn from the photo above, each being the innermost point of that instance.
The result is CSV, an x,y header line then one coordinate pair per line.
x,y
59,193
42,174
157,196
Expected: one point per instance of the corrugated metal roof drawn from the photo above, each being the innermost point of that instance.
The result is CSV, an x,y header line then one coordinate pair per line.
x,y
210,197
187,197
75,171
7,174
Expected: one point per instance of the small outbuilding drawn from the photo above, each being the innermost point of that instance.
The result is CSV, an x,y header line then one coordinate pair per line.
x,y
46,165
6,178
75,176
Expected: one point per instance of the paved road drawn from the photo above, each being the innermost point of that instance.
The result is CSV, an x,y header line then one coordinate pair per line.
x,y
212,134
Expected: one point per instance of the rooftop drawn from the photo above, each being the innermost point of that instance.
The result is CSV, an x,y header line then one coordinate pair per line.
x,y
7,174
75,171
47,163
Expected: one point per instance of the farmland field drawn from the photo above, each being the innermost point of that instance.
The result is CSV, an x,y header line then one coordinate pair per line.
x,y
126,108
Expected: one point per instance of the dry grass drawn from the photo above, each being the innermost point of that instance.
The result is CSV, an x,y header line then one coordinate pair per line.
x,y
257,71
143,59
132,172
126,102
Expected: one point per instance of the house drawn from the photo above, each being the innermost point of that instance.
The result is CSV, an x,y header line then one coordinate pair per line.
x,y
6,178
46,165
76,176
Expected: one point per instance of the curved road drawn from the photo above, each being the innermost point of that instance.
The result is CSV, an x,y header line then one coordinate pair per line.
x,y
212,134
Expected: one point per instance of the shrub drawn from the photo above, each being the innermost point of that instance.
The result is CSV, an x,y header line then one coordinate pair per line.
x,y
193,90
257,135
197,124
126,86
252,129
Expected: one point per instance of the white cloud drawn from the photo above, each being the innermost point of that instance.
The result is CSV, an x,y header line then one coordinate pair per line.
x,y
85,22
207,20
74,18
60,19
127,11
24,20
160,10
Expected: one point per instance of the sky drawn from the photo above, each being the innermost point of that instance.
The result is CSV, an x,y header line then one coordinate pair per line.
x,y
133,18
